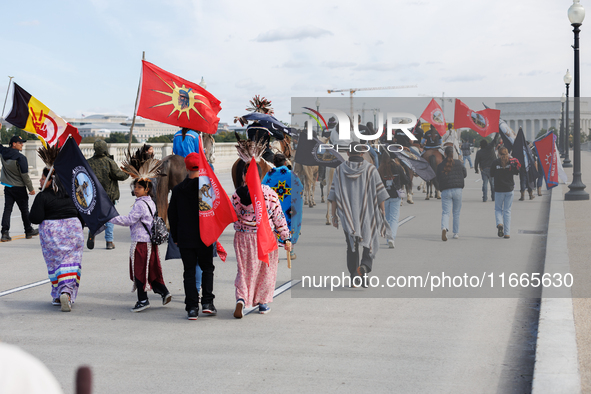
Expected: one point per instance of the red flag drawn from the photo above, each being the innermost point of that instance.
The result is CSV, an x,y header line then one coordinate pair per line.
x,y
434,115
546,149
167,98
266,242
484,122
215,209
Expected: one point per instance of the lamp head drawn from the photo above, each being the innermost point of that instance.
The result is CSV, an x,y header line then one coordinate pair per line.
x,y
568,78
576,13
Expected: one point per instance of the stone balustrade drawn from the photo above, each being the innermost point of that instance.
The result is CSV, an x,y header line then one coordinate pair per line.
x,y
224,155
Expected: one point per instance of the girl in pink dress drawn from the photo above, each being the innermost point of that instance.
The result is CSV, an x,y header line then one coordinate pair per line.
x,y
255,281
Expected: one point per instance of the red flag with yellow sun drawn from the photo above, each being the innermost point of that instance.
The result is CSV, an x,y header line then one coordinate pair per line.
x,y
167,98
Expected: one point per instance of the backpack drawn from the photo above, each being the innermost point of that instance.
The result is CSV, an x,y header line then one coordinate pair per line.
x,y
159,233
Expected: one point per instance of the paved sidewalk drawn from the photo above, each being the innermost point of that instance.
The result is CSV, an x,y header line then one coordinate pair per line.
x,y
578,230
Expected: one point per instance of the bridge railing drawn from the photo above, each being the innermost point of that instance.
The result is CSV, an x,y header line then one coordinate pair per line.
x,y
224,155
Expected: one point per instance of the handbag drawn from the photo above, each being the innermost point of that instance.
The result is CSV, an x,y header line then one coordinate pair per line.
x,y
159,233
401,193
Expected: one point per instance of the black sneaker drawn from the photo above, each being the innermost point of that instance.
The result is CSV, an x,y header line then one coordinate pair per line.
x,y
90,242
209,309
362,271
500,231
192,314
5,237
140,306
32,233
166,298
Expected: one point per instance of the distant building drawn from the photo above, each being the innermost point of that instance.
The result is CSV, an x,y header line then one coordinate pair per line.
x,y
104,125
532,116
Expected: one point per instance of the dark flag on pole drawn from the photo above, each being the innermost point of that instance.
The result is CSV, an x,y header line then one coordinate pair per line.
x,y
311,153
522,152
417,164
89,196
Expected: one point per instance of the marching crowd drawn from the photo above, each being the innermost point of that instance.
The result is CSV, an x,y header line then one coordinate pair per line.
x,y
365,200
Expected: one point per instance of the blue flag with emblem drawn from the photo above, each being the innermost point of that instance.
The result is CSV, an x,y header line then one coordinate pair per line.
x,y
289,189
89,196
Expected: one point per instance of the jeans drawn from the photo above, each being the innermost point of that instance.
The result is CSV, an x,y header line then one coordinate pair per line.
x,y
392,206
486,179
503,202
374,155
467,157
524,181
198,274
109,232
449,198
18,195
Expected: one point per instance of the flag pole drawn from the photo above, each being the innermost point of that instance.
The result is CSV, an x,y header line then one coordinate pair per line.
x,y
135,107
5,98
47,178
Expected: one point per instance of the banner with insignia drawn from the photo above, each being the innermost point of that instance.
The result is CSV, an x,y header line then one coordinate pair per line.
x,y
89,196
34,117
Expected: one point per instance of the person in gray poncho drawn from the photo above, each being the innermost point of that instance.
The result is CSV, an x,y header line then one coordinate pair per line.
x,y
355,195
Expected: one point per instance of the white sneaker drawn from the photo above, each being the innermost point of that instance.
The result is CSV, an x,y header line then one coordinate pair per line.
x,y
391,244
456,236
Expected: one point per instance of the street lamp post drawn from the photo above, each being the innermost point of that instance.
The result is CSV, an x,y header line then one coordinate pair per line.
x,y
566,163
576,14
561,134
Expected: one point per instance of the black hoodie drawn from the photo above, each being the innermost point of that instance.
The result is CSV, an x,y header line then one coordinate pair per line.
x,y
183,214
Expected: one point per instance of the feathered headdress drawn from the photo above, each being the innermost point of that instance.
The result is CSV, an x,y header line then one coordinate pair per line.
x,y
261,105
257,105
248,149
139,166
48,155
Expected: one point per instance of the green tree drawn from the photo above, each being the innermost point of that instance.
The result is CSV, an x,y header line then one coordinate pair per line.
x,y
161,138
120,138
224,136
6,134
544,131
90,140
472,135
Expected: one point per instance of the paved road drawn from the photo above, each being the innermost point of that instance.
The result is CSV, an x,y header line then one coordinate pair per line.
x,y
345,342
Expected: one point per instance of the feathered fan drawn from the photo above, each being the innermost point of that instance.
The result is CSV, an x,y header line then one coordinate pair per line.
x,y
140,167
247,149
261,105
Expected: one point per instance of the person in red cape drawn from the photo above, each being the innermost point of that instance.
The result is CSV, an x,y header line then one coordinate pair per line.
x,y
254,240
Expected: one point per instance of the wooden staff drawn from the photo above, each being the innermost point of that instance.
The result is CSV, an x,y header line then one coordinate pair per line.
x,y
135,108
288,255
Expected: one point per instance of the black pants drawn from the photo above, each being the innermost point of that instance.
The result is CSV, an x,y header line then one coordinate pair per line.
x,y
191,257
142,295
19,196
353,257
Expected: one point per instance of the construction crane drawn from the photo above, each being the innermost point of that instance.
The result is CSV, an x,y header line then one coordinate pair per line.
x,y
353,90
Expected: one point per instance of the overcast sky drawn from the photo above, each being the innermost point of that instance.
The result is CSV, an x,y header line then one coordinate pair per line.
x,y
84,57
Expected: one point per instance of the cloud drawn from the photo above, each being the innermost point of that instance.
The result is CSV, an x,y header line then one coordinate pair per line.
x,y
34,22
249,84
379,42
464,78
338,64
294,65
385,66
532,73
299,33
